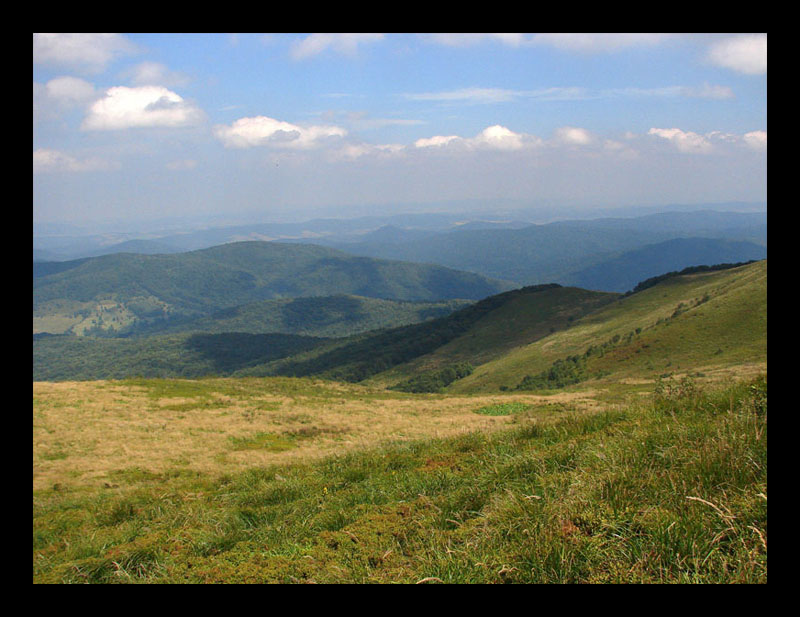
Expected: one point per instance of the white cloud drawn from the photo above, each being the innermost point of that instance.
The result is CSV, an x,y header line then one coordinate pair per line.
x,y
70,90
756,140
708,91
155,74
46,160
264,131
597,42
344,43
357,150
746,53
435,141
499,138
722,137
574,136
476,95
60,94
462,39
362,121
685,141
145,106
494,137
469,95
81,51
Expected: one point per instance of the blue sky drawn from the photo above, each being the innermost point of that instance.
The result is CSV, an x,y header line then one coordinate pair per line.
x,y
134,127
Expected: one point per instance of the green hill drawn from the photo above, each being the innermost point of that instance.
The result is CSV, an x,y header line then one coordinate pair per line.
x,y
58,358
123,290
520,320
694,322
548,336
533,338
330,316
476,333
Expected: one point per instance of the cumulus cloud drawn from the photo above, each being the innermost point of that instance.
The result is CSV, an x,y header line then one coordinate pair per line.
x,y
574,136
60,94
685,141
344,43
435,141
145,106
70,90
746,53
494,137
264,131
499,138
354,151
91,52
756,140
46,160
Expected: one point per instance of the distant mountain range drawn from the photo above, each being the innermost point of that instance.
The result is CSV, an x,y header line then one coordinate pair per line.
x,y
56,242
561,251
623,272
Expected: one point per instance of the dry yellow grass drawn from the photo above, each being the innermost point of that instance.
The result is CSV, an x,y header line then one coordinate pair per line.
x,y
84,432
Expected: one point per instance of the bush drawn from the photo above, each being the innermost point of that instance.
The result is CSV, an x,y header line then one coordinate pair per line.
x,y
435,381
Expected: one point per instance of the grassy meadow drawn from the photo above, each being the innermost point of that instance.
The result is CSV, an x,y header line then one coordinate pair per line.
x,y
296,480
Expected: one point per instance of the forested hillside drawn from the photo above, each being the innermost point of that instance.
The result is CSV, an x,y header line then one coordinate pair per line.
x,y
123,291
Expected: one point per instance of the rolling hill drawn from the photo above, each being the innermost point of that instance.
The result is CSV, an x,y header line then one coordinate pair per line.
x,y
121,290
695,322
707,319
537,337
327,316
473,334
190,355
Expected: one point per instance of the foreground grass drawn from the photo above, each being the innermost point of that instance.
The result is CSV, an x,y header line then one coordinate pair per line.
x,y
669,489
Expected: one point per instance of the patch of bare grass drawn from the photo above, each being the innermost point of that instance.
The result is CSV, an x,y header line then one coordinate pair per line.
x,y
86,431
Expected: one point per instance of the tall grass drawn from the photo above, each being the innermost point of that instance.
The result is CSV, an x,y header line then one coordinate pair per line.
x,y
671,489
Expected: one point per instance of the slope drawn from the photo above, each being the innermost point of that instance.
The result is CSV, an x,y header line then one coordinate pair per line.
x,y
697,322
60,358
521,320
476,333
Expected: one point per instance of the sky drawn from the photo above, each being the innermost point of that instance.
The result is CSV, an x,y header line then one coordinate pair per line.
x,y
137,127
